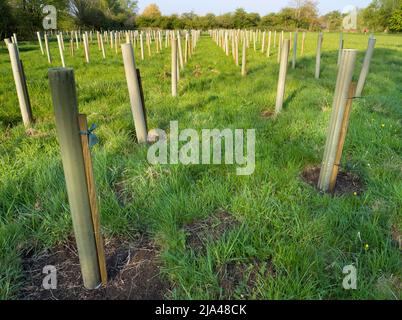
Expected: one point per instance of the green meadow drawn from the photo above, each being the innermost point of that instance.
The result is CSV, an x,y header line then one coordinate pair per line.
x,y
307,237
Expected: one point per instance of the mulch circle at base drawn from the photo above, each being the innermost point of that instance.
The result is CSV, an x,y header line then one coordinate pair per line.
x,y
346,183
240,278
268,114
133,272
212,228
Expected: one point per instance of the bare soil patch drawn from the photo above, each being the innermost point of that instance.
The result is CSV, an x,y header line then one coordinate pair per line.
x,y
197,72
133,273
267,114
209,229
124,197
346,183
241,277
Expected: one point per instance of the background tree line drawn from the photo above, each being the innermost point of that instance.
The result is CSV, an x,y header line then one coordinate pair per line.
x,y
25,17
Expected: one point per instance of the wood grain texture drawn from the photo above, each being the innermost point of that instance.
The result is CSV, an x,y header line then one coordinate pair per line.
x,y
342,138
83,124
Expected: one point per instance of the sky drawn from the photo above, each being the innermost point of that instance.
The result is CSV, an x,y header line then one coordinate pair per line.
x,y
263,7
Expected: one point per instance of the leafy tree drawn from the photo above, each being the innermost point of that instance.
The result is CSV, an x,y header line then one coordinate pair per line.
x,y
305,13
225,21
287,18
378,14
270,20
333,20
395,21
152,11
7,23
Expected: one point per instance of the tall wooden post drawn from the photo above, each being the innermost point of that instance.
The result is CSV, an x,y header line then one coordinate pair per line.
x,y
142,46
340,48
366,67
86,47
341,97
93,201
318,56
269,44
49,56
102,47
294,51
62,85
174,65
20,85
40,42
283,69
61,50
342,138
180,51
244,60
134,90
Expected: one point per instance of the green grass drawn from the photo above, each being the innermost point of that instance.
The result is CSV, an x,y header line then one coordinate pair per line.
x,y
309,237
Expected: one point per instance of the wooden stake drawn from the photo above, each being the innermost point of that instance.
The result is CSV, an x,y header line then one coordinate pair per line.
x,y
137,107
342,138
93,201
142,46
318,56
49,56
72,47
102,48
20,85
180,51
61,51
282,77
244,60
40,43
366,67
341,96
340,48
86,47
269,44
62,85
174,66
294,51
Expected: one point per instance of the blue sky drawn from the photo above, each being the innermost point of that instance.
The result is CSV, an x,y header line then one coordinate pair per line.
x,y
222,6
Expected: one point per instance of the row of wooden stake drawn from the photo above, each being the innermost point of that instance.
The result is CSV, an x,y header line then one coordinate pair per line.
x,y
115,38
73,134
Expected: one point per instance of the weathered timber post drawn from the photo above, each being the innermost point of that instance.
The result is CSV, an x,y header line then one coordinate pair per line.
x,y
62,85
341,96
134,89
283,69
318,56
40,42
340,48
49,56
93,201
244,60
294,51
342,138
366,67
269,44
20,85
61,50
174,65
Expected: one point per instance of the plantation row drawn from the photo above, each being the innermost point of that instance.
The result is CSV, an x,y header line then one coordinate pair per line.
x,y
75,138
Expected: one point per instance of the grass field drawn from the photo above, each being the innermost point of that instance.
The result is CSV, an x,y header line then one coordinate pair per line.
x,y
307,237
